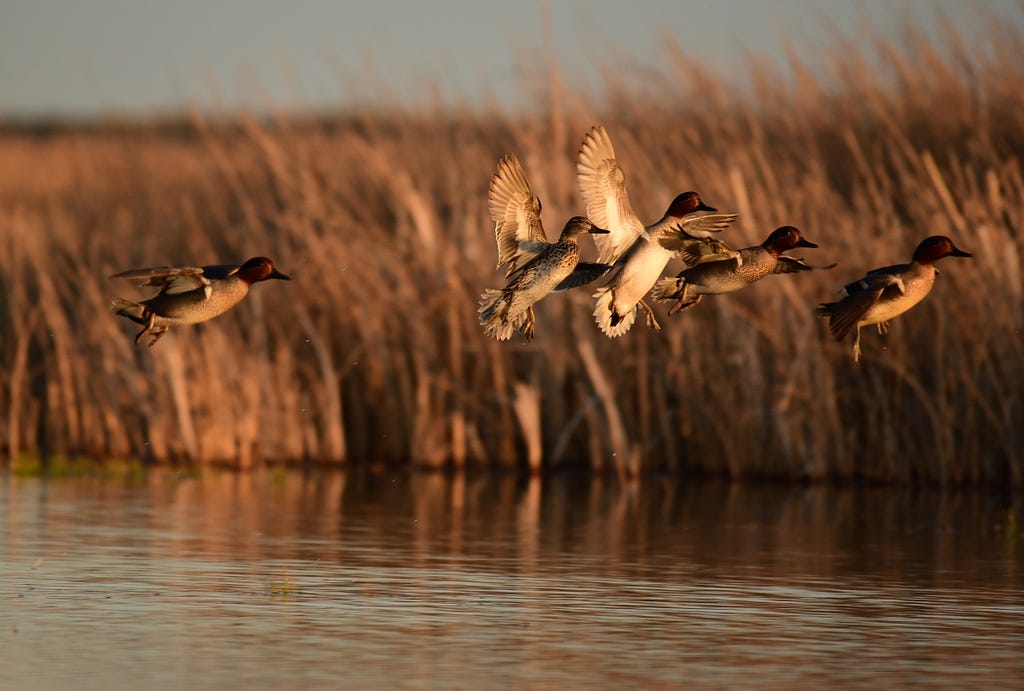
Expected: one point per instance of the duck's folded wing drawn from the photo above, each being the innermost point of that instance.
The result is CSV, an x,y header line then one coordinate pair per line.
x,y
515,210
603,186
584,273
788,265
171,279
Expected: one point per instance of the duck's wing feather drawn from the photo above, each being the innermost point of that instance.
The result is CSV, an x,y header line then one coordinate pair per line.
x,y
218,272
845,314
860,297
515,210
788,265
709,270
603,186
170,279
528,254
699,224
878,279
695,251
584,273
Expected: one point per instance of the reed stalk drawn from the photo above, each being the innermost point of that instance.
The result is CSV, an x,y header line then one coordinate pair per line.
x,y
373,352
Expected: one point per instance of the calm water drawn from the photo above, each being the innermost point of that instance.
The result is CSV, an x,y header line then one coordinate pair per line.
x,y
287,580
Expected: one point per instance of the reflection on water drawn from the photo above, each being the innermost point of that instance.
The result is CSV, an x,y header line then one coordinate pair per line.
x,y
285,579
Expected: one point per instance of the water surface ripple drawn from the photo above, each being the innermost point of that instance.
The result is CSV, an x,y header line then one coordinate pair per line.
x,y
290,579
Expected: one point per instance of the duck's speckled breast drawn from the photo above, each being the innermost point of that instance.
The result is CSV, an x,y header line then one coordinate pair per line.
x,y
540,278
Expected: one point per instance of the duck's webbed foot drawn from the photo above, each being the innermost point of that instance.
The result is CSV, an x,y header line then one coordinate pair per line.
x,y
649,319
616,317
530,325
684,303
150,321
156,334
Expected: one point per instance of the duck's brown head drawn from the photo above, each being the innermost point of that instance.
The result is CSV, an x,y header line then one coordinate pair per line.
x,y
259,269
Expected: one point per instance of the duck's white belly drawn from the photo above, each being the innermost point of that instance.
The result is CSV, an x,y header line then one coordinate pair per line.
x,y
641,271
542,277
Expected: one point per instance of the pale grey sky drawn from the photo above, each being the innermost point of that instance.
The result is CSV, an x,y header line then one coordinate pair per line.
x,y
139,57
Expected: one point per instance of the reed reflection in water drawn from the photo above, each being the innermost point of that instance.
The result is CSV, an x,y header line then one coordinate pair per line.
x,y
363,580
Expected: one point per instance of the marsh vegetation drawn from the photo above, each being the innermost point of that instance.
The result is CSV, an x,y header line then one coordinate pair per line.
x,y
374,353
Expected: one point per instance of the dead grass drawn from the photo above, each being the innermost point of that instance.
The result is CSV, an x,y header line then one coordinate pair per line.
x,y
374,352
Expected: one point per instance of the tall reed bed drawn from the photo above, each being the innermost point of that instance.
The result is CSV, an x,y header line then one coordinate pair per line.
x,y
374,353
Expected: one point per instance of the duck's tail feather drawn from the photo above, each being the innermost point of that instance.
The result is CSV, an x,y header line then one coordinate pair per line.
x,y
845,314
612,324
493,317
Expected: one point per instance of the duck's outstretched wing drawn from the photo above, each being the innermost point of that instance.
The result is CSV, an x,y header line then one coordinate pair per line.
x,y
788,265
171,279
584,273
698,225
844,314
515,210
603,186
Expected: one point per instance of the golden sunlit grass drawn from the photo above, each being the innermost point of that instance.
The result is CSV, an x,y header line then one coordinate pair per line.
x,y
373,352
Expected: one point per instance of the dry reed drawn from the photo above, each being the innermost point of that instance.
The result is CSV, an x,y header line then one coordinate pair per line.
x,y
374,352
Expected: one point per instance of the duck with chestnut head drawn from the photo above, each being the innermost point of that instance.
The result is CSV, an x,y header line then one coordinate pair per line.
x,y
730,270
190,294
888,292
639,253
